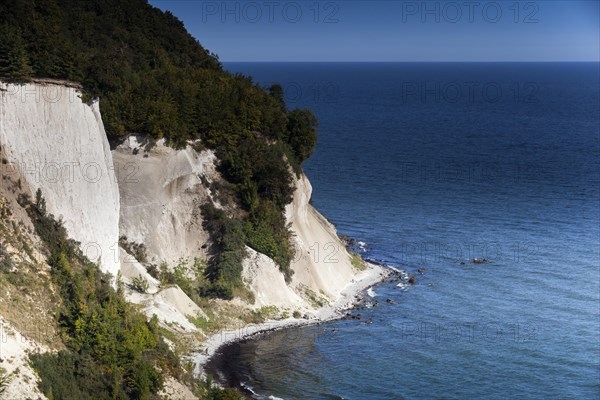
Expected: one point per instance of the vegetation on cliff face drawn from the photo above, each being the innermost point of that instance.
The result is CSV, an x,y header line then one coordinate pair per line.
x,y
113,352
263,231
155,79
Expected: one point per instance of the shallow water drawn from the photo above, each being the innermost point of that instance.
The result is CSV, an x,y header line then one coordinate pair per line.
x,y
428,178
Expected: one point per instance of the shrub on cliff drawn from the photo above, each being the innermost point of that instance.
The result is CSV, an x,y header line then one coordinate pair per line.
x,y
263,230
140,284
113,352
301,133
266,233
224,270
4,381
210,391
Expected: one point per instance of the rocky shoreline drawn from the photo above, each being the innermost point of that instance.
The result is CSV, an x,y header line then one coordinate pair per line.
x,y
350,298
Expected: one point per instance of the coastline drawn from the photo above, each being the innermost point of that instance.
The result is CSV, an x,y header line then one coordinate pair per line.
x,y
348,298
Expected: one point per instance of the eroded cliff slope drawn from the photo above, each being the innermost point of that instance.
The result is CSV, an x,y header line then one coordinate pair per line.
x,y
162,190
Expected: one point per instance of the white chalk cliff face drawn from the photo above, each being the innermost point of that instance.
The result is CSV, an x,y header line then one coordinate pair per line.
x,y
322,262
161,193
50,140
58,144
262,275
322,265
162,190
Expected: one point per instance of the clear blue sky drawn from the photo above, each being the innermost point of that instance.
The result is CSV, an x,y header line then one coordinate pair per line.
x,y
462,30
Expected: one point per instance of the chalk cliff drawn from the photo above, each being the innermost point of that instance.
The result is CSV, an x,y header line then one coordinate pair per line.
x,y
149,194
58,144
161,193
322,262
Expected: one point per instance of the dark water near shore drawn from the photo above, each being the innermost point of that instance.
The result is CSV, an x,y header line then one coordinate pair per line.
x,y
432,165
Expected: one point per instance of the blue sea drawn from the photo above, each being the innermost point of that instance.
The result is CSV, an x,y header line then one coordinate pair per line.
x,y
432,165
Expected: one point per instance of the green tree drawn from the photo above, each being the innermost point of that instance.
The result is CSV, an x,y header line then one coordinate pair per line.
x,y
302,133
276,91
14,62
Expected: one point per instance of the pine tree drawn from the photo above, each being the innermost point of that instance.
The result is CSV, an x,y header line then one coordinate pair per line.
x,y
14,62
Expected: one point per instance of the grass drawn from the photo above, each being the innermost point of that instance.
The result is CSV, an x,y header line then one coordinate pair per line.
x,y
4,380
357,262
262,314
28,301
200,322
139,284
182,343
315,300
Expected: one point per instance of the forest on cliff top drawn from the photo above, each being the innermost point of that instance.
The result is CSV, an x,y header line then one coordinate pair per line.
x,y
155,79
